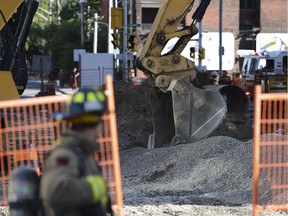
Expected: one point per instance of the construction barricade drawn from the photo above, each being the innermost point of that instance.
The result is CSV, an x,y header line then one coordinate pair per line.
x,y
28,131
270,159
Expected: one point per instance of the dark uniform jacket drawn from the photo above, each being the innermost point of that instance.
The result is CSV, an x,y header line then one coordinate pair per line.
x,y
64,189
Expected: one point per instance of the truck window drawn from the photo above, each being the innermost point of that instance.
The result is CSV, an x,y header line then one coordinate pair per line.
x,y
245,66
269,64
284,60
285,67
253,66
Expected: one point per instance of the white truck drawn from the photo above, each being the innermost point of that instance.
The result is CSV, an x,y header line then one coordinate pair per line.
x,y
210,42
266,68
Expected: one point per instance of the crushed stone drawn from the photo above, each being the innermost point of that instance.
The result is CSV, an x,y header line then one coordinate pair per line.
x,y
210,177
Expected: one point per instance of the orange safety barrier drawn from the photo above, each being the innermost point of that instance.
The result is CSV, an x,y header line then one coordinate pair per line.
x,y
270,157
30,155
28,131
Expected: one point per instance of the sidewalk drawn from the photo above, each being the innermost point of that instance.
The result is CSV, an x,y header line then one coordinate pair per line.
x,y
34,87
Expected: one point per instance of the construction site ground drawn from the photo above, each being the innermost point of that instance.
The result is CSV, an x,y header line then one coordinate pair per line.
x,y
210,177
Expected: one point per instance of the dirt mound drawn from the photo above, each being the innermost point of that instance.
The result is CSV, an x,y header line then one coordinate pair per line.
x,y
134,117
133,111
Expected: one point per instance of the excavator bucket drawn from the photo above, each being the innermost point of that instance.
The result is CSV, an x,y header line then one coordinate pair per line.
x,y
185,113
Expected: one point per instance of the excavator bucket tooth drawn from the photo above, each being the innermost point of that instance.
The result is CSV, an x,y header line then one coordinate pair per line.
x,y
194,114
163,122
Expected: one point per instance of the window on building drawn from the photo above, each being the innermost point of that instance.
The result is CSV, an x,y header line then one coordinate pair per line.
x,y
269,64
248,4
149,14
249,15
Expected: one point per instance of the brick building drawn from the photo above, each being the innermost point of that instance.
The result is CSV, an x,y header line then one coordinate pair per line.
x,y
244,18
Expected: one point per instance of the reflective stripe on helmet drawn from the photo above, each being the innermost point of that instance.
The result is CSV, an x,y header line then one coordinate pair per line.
x,y
91,97
100,96
79,97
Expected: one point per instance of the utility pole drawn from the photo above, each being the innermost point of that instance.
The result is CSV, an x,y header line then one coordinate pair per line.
x,y
82,2
58,13
50,11
220,36
125,35
110,38
95,33
200,44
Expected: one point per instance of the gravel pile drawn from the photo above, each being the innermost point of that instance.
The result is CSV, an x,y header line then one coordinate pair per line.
x,y
213,171
209,177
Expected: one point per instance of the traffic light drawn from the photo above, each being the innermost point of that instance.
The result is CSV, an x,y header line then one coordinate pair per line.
x,y
130,41
192,52
116,39
116,18
201,53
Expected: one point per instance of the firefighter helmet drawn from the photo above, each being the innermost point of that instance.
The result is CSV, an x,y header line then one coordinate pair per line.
x,y
85,106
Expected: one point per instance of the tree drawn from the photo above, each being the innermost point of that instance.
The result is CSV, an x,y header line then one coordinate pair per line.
x,y
60,37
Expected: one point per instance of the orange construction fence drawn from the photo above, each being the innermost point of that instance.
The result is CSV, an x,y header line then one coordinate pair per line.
x,y
28,131
270,159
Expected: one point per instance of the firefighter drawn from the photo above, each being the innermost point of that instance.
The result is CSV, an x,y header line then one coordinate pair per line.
x,y
72,183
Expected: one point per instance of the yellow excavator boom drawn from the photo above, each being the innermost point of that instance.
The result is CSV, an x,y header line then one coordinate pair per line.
x,y
8,88
8,8
15,21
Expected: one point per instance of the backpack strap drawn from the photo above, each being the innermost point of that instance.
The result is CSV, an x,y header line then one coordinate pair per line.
x,y
81,156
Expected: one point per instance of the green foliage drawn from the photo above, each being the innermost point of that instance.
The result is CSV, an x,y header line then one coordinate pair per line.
x,y
59,34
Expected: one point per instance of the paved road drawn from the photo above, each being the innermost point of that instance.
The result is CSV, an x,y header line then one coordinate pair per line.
x,y
34,87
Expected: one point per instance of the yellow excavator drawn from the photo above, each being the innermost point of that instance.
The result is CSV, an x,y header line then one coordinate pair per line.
x,y
182,111
15,21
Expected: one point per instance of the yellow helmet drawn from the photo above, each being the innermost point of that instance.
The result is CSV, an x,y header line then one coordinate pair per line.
x,y
85,106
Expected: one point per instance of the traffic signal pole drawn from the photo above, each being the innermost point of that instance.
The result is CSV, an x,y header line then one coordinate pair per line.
x,y
110,47
95,41
200,44
220,36
125,35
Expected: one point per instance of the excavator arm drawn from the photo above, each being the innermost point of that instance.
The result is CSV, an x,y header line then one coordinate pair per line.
x,y
181,111
15,21
166,22
165,27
